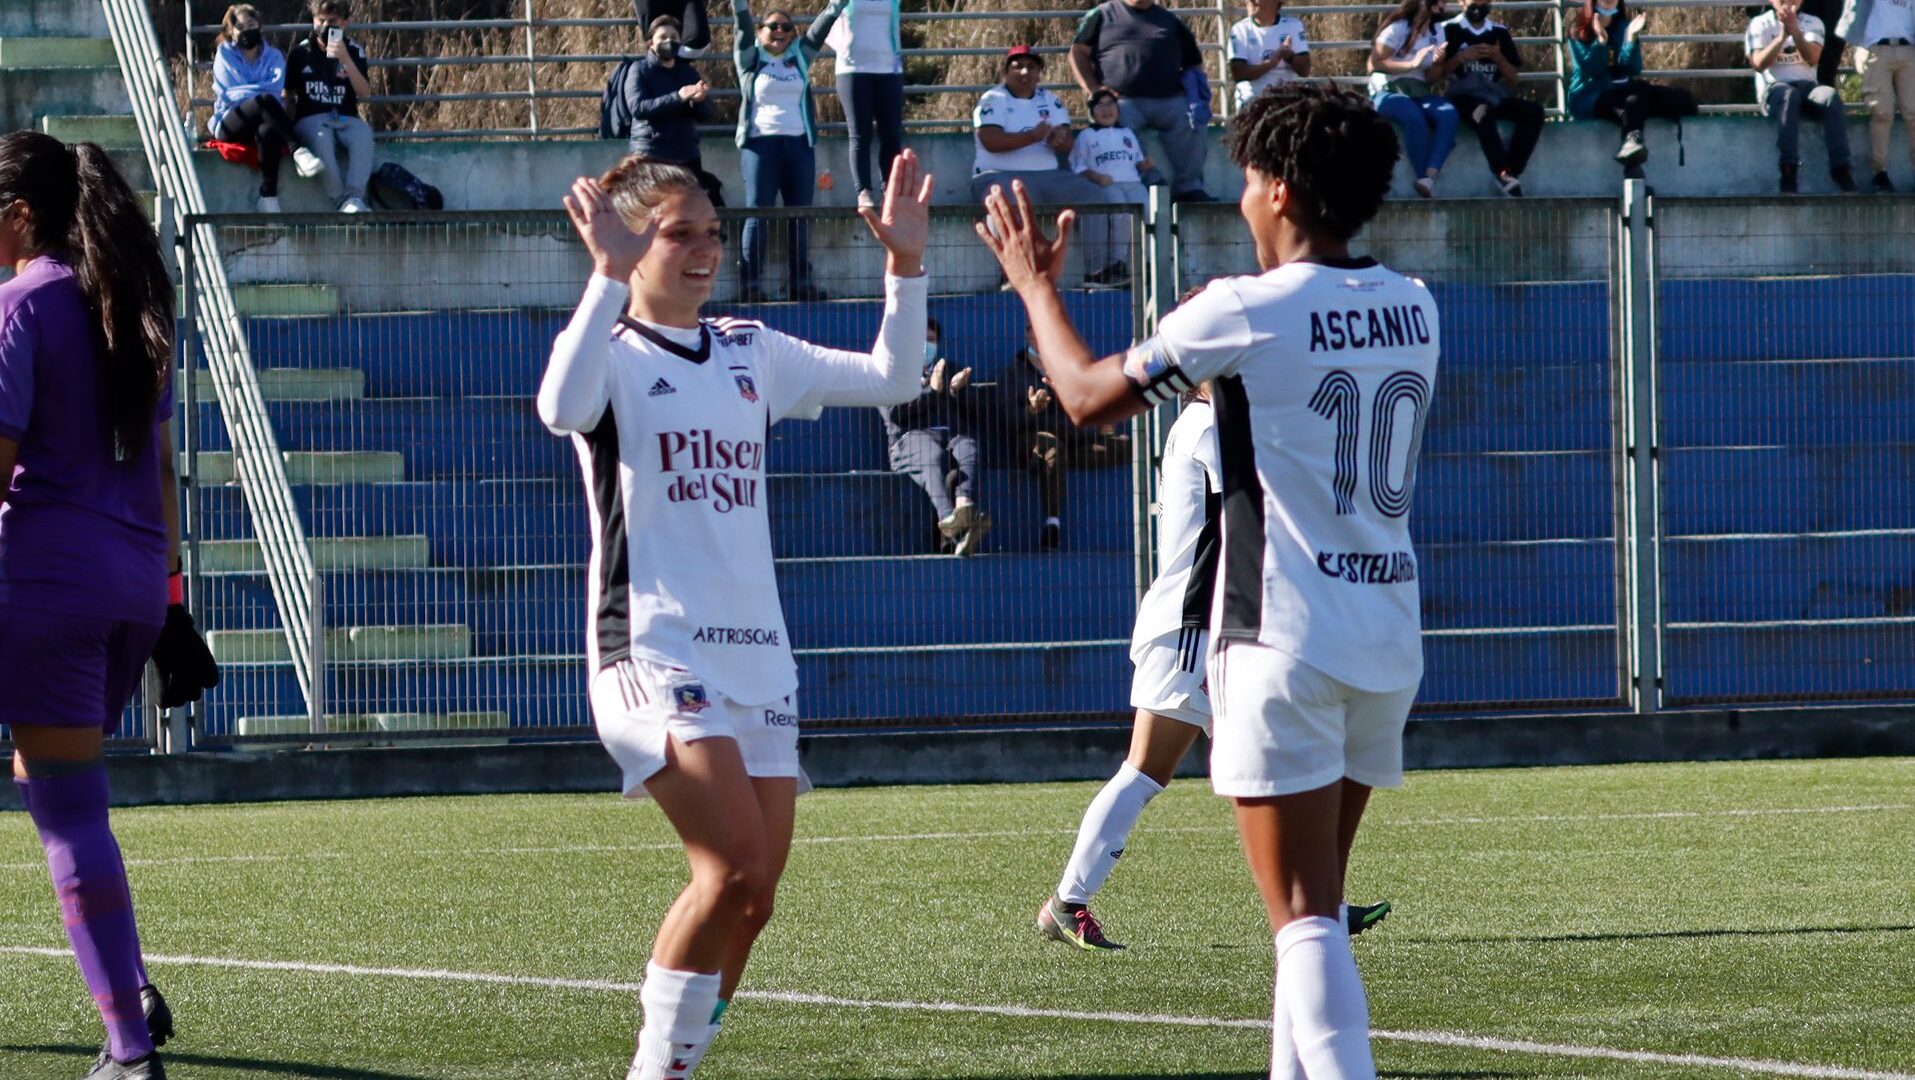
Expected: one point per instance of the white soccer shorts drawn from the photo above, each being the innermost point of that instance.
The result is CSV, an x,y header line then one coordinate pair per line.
x,y
1283,727
636,704
1170,679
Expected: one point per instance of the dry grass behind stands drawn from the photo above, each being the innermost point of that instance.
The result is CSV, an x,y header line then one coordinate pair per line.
x,y
588,78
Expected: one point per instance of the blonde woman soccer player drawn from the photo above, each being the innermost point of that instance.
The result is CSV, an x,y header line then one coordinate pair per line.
x,y
1322,369
692,677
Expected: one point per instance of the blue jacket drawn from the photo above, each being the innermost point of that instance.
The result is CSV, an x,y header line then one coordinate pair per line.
x,y
664,125
237,80
750,56
1595,68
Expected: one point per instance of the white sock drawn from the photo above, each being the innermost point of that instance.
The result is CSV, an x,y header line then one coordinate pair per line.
x,y
1318,984
678,1008
1284,1063
1105,831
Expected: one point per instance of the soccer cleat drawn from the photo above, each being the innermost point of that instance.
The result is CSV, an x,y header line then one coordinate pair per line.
x,y
1073,924
145,1068
308,163
1633,150
1363,916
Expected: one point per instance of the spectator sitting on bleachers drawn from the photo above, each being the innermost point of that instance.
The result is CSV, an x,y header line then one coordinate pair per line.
x,y
1267,47
1044,441
1020,128
1883,32
1783,45
1482,66
666,99
325,78
1408,45
694,22
777,135
932,439
1605,79
249,84
1145,53
1112,157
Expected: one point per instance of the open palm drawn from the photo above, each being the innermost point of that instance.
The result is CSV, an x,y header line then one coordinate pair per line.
x,y
904,226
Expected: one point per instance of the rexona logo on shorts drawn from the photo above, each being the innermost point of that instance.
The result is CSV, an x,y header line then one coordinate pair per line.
x,y
690,698
774,718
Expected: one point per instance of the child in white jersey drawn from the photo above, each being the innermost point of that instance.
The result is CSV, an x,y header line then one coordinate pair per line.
x,y
1111,156
1322,370
690,664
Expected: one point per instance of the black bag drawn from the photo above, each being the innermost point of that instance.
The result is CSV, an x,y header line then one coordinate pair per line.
x,y
614,116
395,188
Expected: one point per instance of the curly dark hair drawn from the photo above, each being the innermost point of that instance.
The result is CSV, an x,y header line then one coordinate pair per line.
x,y
1330,148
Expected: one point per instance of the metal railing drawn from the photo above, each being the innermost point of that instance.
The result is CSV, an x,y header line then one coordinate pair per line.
x,y
278,542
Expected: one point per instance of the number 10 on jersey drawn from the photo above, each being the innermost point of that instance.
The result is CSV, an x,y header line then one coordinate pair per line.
x,y
1340,400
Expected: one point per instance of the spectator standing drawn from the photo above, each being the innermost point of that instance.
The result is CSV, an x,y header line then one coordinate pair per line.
x,y
1407,47
325,78
249,83
1884,33
1019,130
777,135
1482,65
1111,156
694,21
667,99
870,64
1605,79
1043,439
932,439
1267,47
1146,55
1783,45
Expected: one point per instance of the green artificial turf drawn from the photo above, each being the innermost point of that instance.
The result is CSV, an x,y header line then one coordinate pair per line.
x,y
1768,912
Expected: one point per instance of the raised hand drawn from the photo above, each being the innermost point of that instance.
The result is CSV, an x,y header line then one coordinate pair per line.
x,y
961,380
1038,398
904,226
614,247
936,379
1013,235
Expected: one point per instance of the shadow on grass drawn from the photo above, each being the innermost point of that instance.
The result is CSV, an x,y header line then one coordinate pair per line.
x,y
1411,1074
252,1066
1667,935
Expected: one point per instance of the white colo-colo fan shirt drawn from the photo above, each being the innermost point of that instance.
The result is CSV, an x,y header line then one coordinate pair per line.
x,y
670,426
1322,382
1190,493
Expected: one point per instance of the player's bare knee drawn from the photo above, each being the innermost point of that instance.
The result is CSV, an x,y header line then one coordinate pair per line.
x,y
758,910
737,886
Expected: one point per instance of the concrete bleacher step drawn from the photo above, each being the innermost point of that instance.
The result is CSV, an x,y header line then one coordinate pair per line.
x,y
110,132
314,467
293,299
29,93
346,645
52,18
56,52
289,384
329,553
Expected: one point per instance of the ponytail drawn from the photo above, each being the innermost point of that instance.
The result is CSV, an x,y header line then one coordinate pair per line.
x,y
118,266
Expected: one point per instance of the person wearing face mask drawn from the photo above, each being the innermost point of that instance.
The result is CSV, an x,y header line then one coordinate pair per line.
x,y
1267,47
325,78
932,440
1783,45
1408,46
249,79
667,99
1605,79
1482,66
777,135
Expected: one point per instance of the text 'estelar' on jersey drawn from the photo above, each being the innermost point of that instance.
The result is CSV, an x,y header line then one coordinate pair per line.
x,y
1323,373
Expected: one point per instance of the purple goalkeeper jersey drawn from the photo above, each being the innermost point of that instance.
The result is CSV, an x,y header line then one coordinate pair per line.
x,y
81,530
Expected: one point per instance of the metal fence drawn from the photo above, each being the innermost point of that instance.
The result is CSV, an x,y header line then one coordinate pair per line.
x,y
400,358
536,50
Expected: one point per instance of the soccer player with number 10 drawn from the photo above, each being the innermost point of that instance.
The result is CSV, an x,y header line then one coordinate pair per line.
x,y
1322,369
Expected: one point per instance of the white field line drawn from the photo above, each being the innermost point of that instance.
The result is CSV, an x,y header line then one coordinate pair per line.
x,y
905,838
1428,1038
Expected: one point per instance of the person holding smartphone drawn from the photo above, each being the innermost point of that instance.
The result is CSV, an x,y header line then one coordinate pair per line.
x,y
325,78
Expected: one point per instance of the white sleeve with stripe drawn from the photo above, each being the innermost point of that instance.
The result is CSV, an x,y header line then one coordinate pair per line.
x,y
1205,338
805,377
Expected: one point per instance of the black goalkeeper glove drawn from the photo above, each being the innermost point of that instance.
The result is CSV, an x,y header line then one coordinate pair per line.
x,y
186,665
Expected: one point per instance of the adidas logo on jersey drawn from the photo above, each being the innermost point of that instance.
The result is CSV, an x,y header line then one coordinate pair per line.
x,y
661,388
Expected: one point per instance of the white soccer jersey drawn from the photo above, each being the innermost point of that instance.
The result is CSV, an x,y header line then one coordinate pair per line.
x,y
999,108
1789,65
1254,44
1189,493
1113,151
1323,375
670,427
